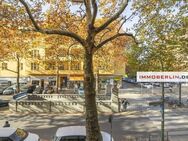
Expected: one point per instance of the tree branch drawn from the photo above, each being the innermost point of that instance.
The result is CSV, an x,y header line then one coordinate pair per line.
x,y
95,10
121,24
66,33
108,30
30,15
88,11
52,31
114,37
113,18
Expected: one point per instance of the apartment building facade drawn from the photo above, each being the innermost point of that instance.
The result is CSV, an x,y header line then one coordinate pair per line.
x,y
41,67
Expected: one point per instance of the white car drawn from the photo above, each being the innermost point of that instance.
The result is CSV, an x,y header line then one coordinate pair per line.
x,y
17,134
76,133
147,85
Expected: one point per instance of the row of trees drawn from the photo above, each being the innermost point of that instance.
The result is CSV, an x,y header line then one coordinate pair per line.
x,y
163,36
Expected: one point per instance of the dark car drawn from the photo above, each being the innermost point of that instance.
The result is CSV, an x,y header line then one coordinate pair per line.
x,y
31,88
3,103
27,89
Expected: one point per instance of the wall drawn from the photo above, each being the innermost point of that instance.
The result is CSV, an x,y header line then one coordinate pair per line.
x,y
56,103
43,106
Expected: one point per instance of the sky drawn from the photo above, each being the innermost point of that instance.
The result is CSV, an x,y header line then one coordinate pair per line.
x,y
129,25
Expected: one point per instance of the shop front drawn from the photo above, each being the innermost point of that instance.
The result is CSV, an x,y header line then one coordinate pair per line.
x,y
76,80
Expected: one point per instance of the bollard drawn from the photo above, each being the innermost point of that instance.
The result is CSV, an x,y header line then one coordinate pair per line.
x,y
149,137
167,135
16,106
50,106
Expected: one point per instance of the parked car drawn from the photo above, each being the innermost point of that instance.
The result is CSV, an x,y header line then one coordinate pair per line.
x,y
2,88
157,84
27,89
10,90
31,88
171,100
155,103
129,80
147,85
13,134
23,88
5,83
76,133
3,103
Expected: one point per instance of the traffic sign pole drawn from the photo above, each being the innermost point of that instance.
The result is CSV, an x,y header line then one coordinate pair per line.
x,y
179,94
162,113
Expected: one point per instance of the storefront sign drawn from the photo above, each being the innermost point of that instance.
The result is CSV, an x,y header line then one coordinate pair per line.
x,y
162,76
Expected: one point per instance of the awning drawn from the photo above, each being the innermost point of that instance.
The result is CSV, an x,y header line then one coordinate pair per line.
x,y
76,78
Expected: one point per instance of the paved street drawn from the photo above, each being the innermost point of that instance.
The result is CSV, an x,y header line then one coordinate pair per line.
x,y
139,120
176,120
46,124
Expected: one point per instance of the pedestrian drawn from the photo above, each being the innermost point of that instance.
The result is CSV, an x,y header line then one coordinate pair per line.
x,y
124,104
6,124
170,88
75,88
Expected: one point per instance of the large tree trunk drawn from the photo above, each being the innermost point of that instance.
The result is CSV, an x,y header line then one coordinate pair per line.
x,y
92,126
57,79
97,81
18,74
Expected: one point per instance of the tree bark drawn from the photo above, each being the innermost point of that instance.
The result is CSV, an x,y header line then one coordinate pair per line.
x,y
18,74
92,126
97,81
57,78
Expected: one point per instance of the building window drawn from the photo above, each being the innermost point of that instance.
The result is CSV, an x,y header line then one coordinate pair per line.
x,y
50,66
34,66
64,66
35,53
35,82
52,83
75,65
4,66
21,66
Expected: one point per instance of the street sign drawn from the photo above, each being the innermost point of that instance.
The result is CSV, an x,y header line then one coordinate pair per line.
x,y
162,76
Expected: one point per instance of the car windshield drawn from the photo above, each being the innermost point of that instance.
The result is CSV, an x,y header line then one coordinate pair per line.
x,y
18,135
73,138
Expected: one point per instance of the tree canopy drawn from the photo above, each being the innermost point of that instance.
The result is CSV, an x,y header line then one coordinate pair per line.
x,y
162,32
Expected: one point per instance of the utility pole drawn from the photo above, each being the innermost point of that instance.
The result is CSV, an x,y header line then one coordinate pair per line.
x,y
110,121
162,113
180,94
162,105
